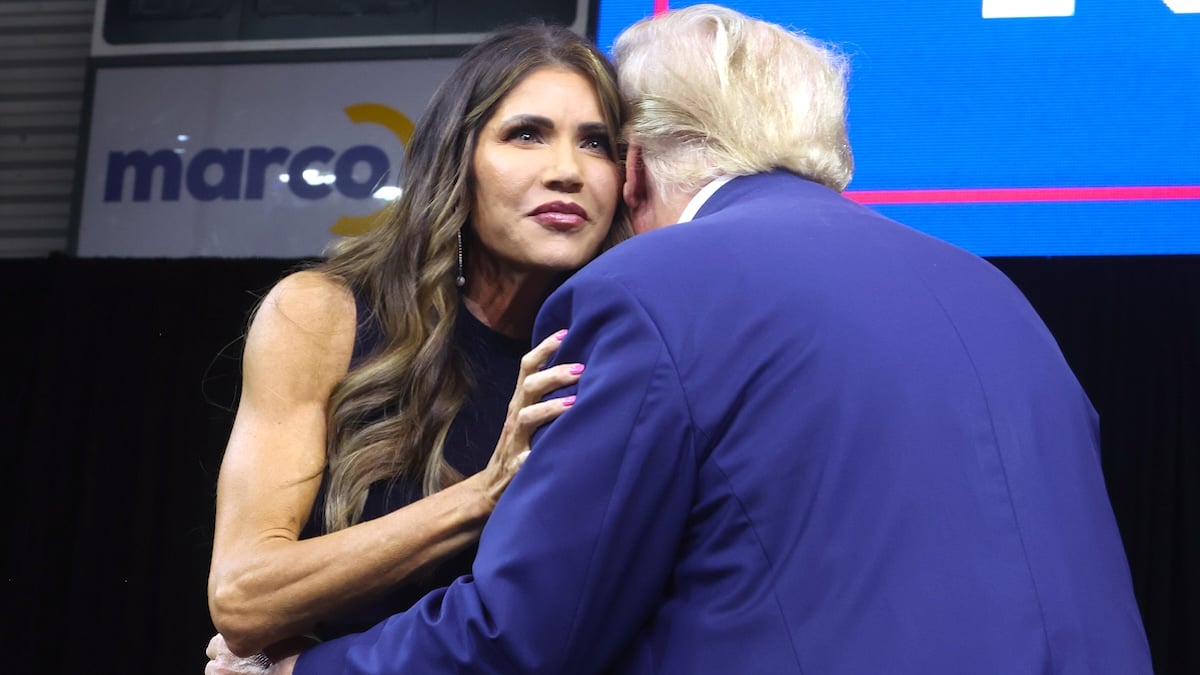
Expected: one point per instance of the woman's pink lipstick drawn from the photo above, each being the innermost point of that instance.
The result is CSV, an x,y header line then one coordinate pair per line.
x,y
560,215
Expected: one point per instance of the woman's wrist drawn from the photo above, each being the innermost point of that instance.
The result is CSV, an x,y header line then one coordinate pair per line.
x,y
485,489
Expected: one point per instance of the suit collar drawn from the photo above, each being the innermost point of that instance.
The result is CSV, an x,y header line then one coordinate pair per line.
x,y
698,201
771,182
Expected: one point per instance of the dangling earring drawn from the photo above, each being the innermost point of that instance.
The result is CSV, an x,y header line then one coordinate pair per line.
x,y
460,280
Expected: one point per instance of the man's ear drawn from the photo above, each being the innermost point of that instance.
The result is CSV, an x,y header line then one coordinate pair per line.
x,y
634,190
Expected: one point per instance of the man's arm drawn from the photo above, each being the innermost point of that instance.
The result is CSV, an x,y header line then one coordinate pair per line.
x,y
578,552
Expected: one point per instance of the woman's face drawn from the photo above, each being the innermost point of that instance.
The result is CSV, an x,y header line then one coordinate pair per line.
x,y
545,188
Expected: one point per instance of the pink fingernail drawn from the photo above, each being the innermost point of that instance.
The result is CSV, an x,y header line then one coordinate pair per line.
x,y
568,401
576,369
560,335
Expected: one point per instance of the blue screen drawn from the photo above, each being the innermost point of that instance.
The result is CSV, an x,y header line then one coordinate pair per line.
x,y
1075,134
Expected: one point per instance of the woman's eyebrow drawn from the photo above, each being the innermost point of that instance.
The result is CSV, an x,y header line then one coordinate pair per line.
x,y
593,128
531,120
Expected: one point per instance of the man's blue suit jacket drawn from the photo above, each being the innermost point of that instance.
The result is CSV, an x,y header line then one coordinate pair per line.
x,y
808,440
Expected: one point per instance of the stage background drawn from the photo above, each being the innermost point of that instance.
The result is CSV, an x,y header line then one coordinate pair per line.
x,y
122,375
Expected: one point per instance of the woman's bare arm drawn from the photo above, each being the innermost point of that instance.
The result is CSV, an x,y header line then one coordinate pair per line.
x,y
265,584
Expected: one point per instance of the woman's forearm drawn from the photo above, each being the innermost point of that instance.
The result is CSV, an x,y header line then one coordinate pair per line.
x,y
279,587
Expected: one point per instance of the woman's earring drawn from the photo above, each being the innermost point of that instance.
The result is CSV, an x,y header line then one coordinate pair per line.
x,y
460,280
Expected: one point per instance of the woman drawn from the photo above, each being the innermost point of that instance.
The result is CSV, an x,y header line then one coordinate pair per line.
x,y
375,382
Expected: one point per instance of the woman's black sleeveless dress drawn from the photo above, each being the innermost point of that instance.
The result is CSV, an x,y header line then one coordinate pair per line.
x,y
493,360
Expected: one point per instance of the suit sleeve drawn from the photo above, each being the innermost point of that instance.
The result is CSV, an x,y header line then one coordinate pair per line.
x,y
579,550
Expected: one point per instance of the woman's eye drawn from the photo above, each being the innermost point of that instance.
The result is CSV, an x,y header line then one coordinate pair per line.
x,y
524,135
598,143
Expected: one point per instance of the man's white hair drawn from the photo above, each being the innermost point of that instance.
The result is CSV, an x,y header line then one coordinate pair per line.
x,y
714,92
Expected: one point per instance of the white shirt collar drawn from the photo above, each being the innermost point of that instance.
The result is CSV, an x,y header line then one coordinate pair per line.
x,y
693,206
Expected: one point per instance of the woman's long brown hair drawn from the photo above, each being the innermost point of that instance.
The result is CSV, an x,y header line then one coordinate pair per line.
x,y
390,415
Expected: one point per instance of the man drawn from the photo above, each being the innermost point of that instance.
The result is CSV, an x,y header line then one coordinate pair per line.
x,y
808,440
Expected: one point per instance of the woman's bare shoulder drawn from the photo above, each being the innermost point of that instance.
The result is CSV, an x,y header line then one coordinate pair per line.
x,y
306,321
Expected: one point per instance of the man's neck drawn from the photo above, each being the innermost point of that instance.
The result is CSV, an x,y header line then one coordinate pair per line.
x,y
697,200
672,206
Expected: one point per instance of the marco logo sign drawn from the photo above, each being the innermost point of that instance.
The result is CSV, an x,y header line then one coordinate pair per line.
x,y
310,173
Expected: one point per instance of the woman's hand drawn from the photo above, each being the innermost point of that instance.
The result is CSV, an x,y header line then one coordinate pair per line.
x,y
527,412
224,662
221,661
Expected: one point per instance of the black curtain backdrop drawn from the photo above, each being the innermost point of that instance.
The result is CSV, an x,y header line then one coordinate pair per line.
x,y
121,377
